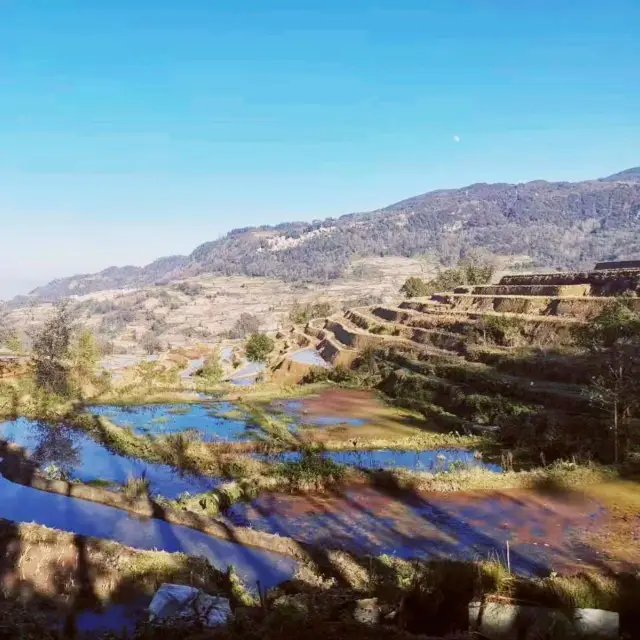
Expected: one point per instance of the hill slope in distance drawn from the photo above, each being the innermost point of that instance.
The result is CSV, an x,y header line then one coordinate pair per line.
x,y
566,224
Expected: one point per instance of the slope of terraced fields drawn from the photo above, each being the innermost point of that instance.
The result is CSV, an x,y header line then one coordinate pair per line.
x,y
498,358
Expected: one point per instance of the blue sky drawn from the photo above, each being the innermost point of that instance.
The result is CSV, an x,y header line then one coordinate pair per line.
x,y
131,129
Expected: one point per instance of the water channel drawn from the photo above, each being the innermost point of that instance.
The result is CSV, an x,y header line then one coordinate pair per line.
x,y
25,504
64,451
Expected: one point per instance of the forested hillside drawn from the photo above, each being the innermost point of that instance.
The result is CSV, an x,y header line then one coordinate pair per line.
x,y
554,223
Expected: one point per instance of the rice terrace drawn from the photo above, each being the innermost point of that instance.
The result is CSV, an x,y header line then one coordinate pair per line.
x,y
480,442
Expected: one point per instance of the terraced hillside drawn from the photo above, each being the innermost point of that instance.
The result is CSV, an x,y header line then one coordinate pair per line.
x,y
503,358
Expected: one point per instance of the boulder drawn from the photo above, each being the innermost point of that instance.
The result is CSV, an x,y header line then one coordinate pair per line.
x,y
502,621
187,604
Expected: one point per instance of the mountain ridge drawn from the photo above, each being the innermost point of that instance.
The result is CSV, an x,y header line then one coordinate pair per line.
x,y
569,224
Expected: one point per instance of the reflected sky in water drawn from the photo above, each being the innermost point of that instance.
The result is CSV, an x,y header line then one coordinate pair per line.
x,y
79,457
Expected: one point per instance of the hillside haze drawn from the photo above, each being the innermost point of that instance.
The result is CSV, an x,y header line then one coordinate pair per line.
x,y
554,223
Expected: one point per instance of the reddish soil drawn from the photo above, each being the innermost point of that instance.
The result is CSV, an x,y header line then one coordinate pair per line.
x,y
340,402
544,532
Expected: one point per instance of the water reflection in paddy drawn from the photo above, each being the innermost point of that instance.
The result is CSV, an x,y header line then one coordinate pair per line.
x,y
213,421
248,374
543,532
24,504
75,455
309,356
295,410
429,461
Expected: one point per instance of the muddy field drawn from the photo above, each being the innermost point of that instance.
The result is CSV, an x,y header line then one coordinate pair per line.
x,y
355,417
545,532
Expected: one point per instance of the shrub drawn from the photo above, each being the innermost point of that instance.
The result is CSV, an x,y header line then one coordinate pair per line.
x,y
136,487
616,323
191,289
415,287
339,374
258,347
313,468
303,313
211,372
471,271
501,330
13,342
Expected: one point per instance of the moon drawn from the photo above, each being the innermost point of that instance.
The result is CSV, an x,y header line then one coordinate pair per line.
x,y
456,138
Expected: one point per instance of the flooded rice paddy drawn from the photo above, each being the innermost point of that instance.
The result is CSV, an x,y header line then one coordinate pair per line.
x,y
248,374
62,450
309,356
436,461
543,532
25,504
211,421
296,411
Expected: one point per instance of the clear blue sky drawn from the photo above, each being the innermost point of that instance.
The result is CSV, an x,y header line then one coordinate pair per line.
x,y
131,129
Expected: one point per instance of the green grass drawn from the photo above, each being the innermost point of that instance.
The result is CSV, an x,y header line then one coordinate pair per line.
x,y
558,476
137,396
423,441
99,482
312,471
179,411
135,488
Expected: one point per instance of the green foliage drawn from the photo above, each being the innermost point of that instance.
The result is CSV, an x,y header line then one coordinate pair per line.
x,y
152,374
135,487
476,271
338,374
312,469
13,342
303,313
85,354
500,330
258,347
615,324
472,271
269,429
614,338
51,353
415,287
617,390
211,372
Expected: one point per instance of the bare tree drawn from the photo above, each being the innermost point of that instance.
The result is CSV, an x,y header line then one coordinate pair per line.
x,y
617,390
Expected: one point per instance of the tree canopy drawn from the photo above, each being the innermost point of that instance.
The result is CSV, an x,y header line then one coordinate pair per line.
x,y
258,347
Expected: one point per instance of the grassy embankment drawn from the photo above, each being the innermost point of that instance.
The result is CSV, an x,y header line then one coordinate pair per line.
x,y
416,596
48,574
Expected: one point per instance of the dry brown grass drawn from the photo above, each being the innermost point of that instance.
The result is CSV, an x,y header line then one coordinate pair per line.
x,y
602,283
570,290
560,475
68,569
